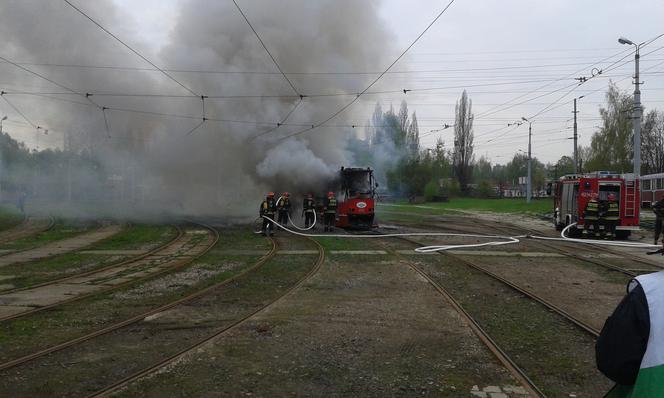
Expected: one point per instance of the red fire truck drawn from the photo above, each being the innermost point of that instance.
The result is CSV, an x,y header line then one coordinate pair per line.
x,y
572,193
356,195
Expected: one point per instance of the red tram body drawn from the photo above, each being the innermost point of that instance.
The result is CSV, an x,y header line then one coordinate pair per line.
x,y
572,193
652,189
357,198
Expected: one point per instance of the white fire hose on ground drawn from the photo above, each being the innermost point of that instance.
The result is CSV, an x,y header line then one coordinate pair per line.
x,y
565,238
504,240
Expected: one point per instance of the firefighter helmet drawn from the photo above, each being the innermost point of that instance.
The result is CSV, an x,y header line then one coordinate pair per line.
x,y
611,196
330,194
286,194
270,194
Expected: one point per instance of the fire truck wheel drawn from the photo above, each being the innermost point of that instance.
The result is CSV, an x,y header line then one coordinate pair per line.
x,y
623,234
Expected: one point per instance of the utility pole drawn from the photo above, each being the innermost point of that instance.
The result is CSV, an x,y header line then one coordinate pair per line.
x,y
529,194
576,155
529,183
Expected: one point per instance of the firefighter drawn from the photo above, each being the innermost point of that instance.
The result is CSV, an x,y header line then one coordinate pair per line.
x,y
267,209
283,209
308,210
591,215
630,348
330,211
610,217
658,209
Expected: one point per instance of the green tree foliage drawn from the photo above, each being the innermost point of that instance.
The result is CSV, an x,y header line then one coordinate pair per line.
x,y
463,141
611,145
652,143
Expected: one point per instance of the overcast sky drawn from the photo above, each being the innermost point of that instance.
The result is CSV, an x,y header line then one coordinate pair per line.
x,y
498,50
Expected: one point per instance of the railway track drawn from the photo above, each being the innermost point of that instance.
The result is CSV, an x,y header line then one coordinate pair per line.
x,y
139,317
521,290
514,369
168,263
510,230
171,336
24,229
133,259
598,249
218,333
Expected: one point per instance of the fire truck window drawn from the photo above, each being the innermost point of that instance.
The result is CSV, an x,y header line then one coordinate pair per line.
x,y
660,183
606,189
646,185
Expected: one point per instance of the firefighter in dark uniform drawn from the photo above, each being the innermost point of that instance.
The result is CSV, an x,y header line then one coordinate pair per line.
x,y
611,216
283,209
268,208
658,209
308,210
330,211
591,215
630,348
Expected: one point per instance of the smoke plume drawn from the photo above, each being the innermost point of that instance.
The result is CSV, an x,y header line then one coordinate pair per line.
x,y
219,169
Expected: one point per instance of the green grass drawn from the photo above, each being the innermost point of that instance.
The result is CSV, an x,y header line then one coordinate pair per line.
x,y
137,237
9,217
519,206
61,230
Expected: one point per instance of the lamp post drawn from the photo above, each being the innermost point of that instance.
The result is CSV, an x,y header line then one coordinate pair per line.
x,y
636,110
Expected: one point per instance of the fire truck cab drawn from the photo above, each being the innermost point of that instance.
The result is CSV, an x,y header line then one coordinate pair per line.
x,y
356,196
573,192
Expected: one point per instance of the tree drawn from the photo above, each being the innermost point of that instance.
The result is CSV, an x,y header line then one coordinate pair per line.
x,y
463,141
413,137
652,143
611,146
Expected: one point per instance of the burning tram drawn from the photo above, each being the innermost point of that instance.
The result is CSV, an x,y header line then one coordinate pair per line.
x,y
572,193
356,193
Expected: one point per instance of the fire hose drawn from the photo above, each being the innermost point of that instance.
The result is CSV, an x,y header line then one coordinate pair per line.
x,y
565,238
504,240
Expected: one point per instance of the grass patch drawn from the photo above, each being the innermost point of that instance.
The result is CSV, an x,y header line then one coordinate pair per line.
x,y
343,243
137,237
9,217
537,206
61,230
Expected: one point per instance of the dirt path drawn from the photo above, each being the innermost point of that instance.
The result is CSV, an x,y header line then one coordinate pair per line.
x,y
365,325
33,225
61,246
192,243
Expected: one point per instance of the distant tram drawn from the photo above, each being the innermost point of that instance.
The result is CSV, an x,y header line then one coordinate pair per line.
x,y
652,189
356,194
572,193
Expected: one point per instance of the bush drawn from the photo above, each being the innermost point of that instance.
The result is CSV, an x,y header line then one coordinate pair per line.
x,y
431,190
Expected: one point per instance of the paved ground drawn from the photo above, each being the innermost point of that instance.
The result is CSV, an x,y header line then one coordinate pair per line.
x,y
61,246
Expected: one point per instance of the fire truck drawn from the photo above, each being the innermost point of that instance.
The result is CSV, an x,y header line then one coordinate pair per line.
x,y
356,195
573,192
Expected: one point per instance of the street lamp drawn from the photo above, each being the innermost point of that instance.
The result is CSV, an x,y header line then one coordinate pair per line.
x,y
529,193
636,110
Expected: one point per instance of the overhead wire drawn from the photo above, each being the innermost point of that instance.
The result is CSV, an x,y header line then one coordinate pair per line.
x,y
343,108
266,49
130,48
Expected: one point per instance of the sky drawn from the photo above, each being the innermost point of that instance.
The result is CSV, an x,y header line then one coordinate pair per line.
x,y
516,58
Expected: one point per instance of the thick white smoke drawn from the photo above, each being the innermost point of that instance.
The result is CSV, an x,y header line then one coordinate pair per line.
x,y
218,168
